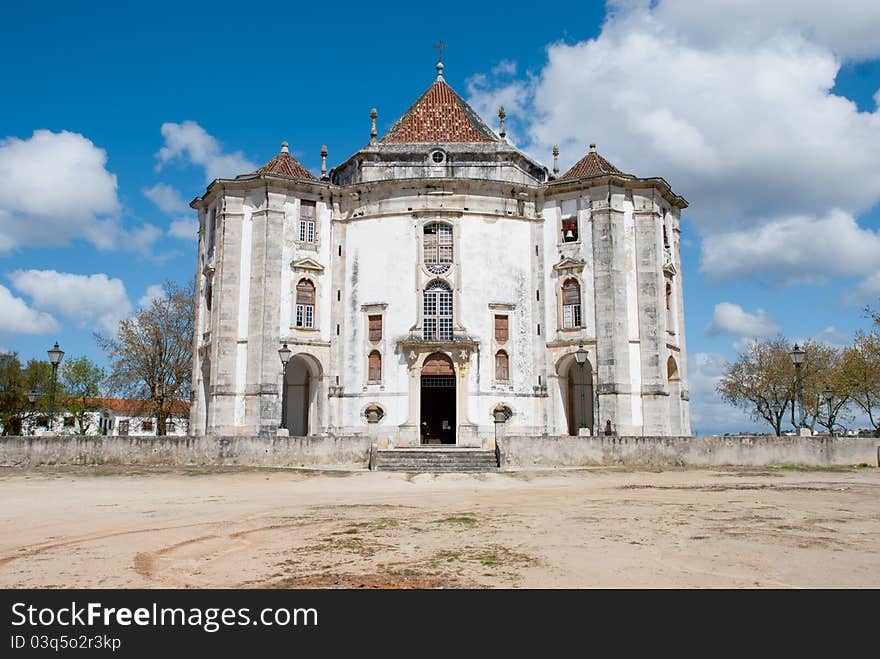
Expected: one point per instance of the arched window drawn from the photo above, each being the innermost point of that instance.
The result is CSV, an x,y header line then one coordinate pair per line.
x,y
437,246
571,303
671,369
305,303
437,310
375,366
502,366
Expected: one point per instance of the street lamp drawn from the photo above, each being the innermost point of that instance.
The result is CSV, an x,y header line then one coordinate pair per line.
x,y
33,395
55,356
581,357
828,394
797,355
284,354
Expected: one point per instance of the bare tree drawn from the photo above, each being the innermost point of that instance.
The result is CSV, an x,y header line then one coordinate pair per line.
x,y
151,354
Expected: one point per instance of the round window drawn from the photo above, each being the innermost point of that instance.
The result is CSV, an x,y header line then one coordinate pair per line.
x,y
438,157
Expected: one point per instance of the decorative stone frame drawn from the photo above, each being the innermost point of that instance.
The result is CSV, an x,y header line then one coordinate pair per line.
x,y
304,244
502,309
569,268
311,270
561,217
374,309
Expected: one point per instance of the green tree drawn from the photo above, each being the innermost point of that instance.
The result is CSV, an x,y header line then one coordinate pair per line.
x,y
823,367
761,381
861,365
82,380
151,354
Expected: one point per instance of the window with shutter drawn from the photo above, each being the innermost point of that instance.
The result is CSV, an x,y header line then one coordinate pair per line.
x,y
571,304
501,325
437,246
305,303
307,221
502,366
375,328
375,366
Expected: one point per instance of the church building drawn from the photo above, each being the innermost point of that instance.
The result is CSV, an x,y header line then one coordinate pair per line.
x,y
434,283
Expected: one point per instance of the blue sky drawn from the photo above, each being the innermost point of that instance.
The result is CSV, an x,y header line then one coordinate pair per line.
x,y
114,118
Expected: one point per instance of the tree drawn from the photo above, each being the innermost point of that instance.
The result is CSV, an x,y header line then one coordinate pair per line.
x,y
151,354
82,380
823,367
861,364
15,384
761,380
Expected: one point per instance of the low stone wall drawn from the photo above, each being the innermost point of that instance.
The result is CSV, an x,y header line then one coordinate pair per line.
x,y
756,451
346,452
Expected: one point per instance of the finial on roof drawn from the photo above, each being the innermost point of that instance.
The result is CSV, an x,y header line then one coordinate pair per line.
x,y
592,148
555,160
373,133
284,147
440,46
501,114
323,160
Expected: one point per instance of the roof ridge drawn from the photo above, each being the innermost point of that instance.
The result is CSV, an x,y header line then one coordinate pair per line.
x,y
591,165
285,165
439,115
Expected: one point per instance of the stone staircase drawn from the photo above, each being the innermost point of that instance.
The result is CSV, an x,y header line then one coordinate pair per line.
x,y
435,459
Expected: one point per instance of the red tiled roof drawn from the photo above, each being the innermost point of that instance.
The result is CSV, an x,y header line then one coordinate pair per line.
x,y
133,407
285,165
591,165
439,115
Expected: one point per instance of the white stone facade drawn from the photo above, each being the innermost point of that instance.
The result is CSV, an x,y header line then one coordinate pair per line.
x,y
519,239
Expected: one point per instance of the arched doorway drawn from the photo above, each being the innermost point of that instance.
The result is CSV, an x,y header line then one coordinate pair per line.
x,y
578,396
301,378
437,418
206,396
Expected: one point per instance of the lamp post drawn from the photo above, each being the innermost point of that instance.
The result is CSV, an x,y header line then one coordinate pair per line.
x,y
828,395
284,354
33,395
797,355
581,357
55,356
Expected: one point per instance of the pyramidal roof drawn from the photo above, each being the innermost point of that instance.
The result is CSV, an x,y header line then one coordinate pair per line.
x,y
439,115
284,165
591,165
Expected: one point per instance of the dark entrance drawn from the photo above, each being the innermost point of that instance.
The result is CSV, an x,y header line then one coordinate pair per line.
x,y
437,423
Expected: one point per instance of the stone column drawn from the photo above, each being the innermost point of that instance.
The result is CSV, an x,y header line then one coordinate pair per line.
x,y
612,344
651,312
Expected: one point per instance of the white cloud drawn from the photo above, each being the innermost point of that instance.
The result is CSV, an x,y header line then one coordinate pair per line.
x,y
866,292
153,292
90,300
729,101
794,250
54,187
186,228
190,142
730,318
16,317
849,27
168,199
830,336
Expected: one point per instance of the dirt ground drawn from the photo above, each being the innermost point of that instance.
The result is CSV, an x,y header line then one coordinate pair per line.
x,y
122,528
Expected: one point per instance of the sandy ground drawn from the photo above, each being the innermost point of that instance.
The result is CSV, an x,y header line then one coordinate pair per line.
x,y
117,528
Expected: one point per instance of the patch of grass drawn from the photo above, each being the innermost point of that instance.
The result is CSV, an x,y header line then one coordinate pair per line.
x,y
468,521
864,465
788,467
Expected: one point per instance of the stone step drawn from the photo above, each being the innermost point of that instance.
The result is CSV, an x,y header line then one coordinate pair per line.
x,y
436,460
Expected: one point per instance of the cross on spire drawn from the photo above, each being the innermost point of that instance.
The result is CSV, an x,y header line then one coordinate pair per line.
x,y
440,46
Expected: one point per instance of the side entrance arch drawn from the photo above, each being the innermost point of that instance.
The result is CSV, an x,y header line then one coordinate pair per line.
x,y
301,380
437,420
576,387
